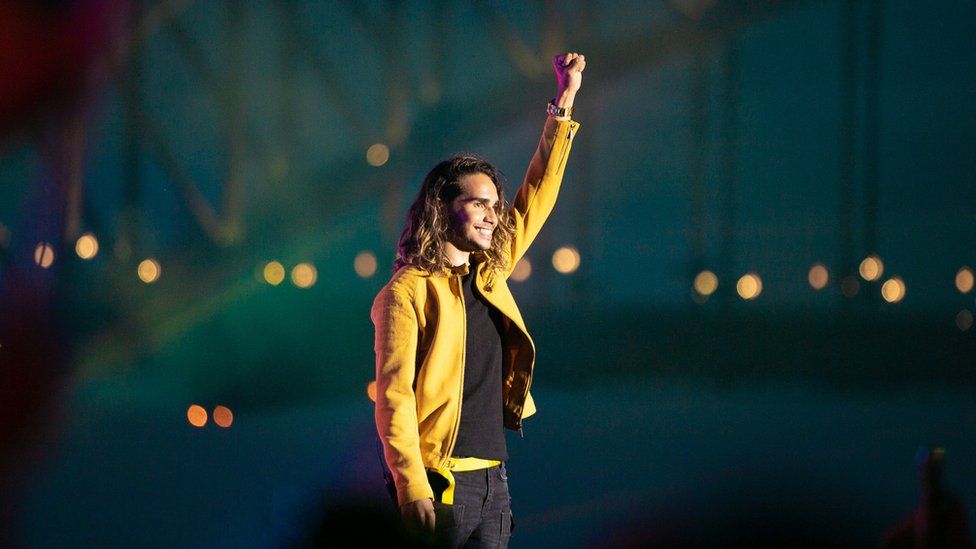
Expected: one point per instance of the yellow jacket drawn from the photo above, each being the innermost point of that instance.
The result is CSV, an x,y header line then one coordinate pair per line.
x,y
420,337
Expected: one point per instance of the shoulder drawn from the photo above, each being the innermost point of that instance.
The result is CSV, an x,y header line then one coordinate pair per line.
x,y
404,294
407,284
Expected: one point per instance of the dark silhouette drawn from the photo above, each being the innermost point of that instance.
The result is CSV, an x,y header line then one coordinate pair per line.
x,y
940,518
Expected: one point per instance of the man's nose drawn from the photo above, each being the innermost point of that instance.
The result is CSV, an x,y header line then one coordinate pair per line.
x,y
491,216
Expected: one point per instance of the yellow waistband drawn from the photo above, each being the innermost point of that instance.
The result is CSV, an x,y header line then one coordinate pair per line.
x,y
470,464
460,465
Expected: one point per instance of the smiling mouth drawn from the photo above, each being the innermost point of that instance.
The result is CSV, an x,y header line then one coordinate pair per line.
x,y
484,232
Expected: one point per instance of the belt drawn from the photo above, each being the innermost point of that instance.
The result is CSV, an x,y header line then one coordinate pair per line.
x,y
460,465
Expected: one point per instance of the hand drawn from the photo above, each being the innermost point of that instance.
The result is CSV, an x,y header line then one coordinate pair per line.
x,y
569,76
419,513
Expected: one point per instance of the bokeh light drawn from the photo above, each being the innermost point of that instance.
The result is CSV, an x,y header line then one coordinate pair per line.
x,y
566,260
818,276
523,270
149,270
871,268
964,320
304,275
893,290
749,286
964,280
87,246
196,415
365,264
371,390
274,273
706,283
223,417
850,286
377,154
44,254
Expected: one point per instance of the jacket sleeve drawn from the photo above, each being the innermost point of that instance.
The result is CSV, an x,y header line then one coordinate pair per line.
x,y
396,406
537,196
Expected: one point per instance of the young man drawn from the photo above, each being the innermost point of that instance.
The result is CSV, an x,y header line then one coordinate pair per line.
x,y
453,357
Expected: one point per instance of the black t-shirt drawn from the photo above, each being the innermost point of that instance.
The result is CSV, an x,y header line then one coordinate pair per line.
x,y
482,432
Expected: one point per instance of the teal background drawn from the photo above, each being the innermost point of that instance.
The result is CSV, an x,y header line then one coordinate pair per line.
x,y
711,139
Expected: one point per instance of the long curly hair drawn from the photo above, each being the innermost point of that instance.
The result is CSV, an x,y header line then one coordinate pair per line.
x,y
429,224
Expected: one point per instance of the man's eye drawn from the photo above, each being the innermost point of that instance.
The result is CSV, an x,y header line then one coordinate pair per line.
x,y
479,205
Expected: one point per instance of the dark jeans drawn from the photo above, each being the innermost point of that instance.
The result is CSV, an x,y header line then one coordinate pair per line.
x,y
481,515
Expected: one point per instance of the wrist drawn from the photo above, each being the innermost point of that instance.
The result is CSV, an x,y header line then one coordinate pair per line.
x,y
564,98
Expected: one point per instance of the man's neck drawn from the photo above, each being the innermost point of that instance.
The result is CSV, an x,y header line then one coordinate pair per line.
x,y
455,256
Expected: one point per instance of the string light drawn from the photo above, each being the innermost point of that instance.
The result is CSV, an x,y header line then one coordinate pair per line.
x,y
87,246
149,270
365,264
223,417
274,273
377,154
706,283
964,320
304,275
522,271
818,276
196,415
871,268
964,280
893,290
749,286
44,254
566,260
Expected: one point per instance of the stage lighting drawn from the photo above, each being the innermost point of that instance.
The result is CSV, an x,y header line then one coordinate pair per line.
x,y
706,283
871,268
893,290
149,270
44,254
274,273
566,260
304,275
87,246
522,271
223,417
818,276
749,286
964,320
196,415
365,264
964,280
377,155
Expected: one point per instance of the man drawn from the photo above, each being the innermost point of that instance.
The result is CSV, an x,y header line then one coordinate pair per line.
x,y
453,358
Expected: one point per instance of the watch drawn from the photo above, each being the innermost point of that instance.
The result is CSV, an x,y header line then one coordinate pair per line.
x,y
553,110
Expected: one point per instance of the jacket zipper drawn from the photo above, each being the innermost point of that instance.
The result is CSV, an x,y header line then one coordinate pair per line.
x,y
563,153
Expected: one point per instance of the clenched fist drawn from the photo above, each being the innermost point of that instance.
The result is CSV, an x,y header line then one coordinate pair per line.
x,y
569,76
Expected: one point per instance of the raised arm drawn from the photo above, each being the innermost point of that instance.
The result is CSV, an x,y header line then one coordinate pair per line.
x,y
537,196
